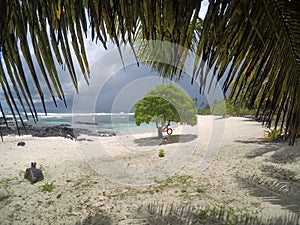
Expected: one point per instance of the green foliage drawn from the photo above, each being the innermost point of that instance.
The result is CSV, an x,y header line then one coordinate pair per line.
x,y
166,102
271,134
204,112
155,179
87,184
48,187
223,108
161,153
218,108
244,110
230,110
227,108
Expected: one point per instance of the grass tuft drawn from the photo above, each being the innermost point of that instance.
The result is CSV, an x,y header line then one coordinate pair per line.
x,y
48,187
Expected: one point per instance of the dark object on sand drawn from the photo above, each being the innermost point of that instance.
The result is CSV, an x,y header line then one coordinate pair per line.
x,y
33,174
21,143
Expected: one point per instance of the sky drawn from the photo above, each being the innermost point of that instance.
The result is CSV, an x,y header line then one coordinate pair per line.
x,y
113,86
116,87
119,88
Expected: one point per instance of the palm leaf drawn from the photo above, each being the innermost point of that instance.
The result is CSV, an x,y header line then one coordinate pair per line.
x,y
259,33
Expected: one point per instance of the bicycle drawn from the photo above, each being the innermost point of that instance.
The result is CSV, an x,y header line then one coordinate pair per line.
x,y
167,129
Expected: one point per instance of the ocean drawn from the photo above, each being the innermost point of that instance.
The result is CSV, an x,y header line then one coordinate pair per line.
x,y
118,123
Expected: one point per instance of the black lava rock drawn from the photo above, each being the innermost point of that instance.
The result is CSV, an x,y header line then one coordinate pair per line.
x,y
33,174
21,143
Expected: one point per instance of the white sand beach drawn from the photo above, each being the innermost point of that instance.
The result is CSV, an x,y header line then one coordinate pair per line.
x,y
221,162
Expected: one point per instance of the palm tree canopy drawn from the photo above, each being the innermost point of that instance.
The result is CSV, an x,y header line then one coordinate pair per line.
x,y
257,43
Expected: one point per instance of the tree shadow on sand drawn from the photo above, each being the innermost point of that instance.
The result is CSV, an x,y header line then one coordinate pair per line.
x,y
276,183
171,139
186,214
99,218
265,147
285,155
279,187
282,152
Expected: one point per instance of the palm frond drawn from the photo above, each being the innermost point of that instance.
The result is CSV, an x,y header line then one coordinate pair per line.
x,y
257,41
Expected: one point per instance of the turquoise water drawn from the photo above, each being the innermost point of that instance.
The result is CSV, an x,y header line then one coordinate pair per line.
x,y
112,123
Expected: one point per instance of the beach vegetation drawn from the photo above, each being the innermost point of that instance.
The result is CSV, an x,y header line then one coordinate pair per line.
x,y
161,153
222,108
178,182
167,103
226,107
205,110
271,134
87,184
48,187
155,179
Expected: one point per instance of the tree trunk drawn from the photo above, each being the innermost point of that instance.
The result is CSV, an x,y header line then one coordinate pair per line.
x,y
159,132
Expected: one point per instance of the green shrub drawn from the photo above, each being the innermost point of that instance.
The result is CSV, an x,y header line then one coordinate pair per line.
x,y
161,153
271,134
48,187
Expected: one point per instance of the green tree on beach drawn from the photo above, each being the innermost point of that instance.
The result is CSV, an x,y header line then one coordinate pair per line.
x,y
222,108
255,43
163,104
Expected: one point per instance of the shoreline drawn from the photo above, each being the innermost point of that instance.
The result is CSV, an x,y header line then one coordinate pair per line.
x,y
247,175
61,130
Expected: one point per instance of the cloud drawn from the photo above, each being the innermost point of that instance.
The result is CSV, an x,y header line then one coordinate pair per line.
x,y
203,9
